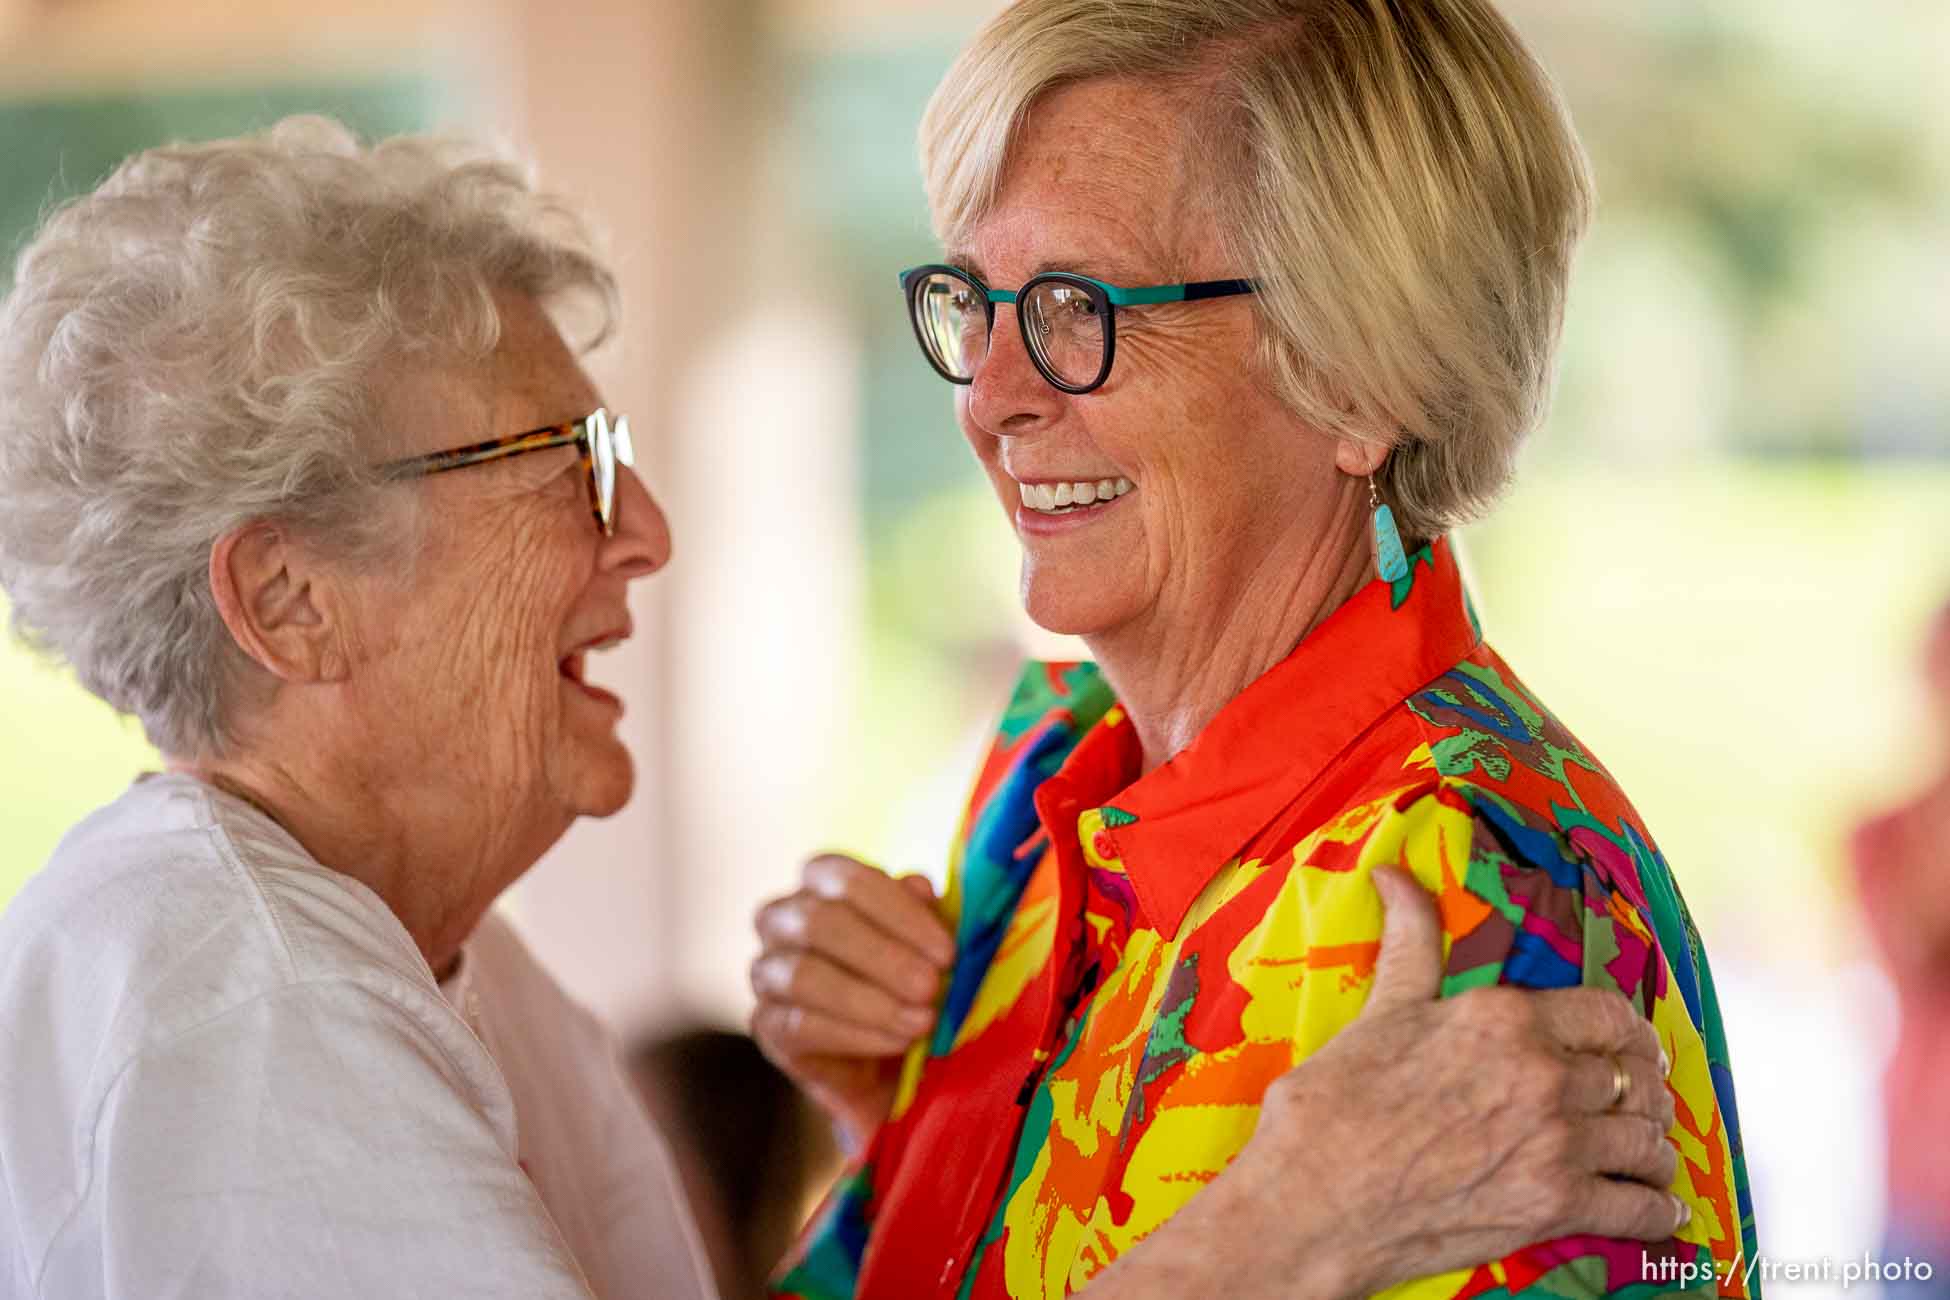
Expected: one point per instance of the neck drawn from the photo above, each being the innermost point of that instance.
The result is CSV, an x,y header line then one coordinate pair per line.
x,y
437,867
1175,668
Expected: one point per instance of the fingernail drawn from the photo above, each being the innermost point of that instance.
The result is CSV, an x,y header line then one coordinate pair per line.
x,y
1665,1063
916,1018
1685,1215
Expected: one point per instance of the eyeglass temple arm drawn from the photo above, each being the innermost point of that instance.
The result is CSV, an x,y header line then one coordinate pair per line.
x,y
460,457
1142,297
1193,292
1156,293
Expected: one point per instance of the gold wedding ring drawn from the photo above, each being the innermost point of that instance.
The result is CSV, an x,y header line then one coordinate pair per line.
x,y
1621,1083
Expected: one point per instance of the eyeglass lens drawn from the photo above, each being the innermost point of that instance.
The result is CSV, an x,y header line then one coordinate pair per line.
x,y
1065,330
602,463
609,446
1062,324
954,323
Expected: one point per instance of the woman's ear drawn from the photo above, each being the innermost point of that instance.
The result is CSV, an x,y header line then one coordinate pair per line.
x,y
275,600
1357,458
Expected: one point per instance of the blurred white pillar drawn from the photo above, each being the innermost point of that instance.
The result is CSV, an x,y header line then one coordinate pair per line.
x,y
769,618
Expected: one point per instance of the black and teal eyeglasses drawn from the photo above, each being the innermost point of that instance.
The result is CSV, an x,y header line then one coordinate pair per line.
x,y
1068,321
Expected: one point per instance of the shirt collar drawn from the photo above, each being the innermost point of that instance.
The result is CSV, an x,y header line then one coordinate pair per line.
x,y
1174,828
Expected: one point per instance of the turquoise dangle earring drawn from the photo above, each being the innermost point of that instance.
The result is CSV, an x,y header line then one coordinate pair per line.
x,y
1390,560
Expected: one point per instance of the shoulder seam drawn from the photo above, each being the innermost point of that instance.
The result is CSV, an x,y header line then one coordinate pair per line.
x,y
226,848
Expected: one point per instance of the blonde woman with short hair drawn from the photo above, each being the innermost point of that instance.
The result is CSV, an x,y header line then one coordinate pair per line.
x,y
1248,304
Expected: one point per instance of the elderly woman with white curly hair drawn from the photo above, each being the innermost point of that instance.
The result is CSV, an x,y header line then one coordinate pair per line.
x,y
260,1035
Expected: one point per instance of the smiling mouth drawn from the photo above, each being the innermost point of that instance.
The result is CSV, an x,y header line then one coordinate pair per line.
x,y
573,664
1064,498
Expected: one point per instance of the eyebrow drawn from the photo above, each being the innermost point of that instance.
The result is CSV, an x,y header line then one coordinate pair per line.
x,y
1123,276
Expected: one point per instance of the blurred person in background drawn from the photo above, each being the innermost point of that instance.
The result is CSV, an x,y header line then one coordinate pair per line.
x,y
1902,864
753,1151
1248,305
261,1034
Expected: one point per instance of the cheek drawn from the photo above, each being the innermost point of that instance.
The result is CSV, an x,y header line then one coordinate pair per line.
x,y
1166,408
1214,435
498,645
1170,443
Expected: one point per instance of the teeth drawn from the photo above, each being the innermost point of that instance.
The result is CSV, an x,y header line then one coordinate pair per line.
x,y
1057,498
576,661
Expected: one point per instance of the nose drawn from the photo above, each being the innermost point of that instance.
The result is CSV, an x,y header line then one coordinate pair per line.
x,y
1009,396
640,545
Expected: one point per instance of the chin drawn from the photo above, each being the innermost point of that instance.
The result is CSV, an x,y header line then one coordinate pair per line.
x,y
1068,608
604,783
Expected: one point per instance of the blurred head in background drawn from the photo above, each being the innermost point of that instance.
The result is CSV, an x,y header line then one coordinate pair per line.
x,y
753,1152
1908,847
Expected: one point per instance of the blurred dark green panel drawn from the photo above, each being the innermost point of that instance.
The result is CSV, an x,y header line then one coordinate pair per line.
x,y
53,149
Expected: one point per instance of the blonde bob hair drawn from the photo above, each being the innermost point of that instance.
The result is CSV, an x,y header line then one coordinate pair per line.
x,y
199,342
1399,174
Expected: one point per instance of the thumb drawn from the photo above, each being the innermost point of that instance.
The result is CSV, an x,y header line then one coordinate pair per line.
x,y
1410,966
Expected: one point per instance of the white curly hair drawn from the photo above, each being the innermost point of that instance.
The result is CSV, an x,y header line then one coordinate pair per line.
x,y
195,345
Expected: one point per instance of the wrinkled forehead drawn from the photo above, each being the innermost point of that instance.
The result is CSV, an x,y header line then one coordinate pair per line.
x,y
529,380
1098,176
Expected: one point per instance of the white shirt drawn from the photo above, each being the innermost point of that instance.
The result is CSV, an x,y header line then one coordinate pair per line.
x,y
226,1071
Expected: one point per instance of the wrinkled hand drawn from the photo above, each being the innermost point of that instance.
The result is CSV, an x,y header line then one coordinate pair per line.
x,y
850,966
1432,1135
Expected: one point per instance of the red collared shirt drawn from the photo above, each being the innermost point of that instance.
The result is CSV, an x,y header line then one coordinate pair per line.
x,y
1140,956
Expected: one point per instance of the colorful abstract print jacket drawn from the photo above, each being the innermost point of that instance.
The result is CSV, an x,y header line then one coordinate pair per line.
x,y
1139,957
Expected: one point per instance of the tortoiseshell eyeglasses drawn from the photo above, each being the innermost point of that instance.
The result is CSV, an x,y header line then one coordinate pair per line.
x,y
603,441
